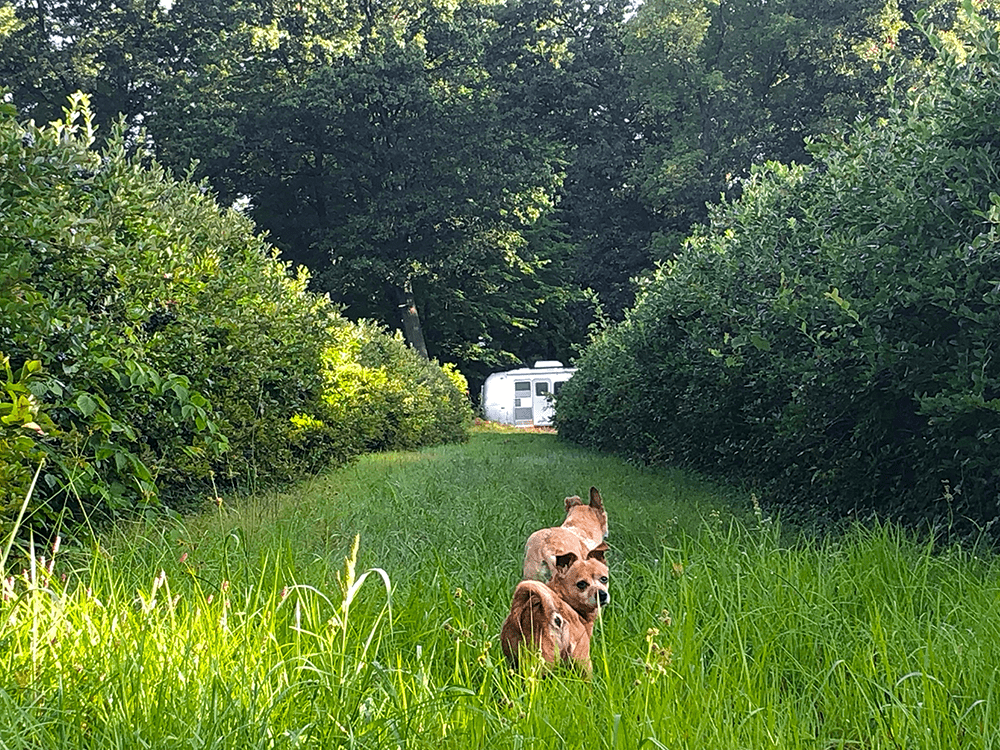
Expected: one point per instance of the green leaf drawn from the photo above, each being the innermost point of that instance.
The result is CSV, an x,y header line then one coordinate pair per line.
x,y
86,404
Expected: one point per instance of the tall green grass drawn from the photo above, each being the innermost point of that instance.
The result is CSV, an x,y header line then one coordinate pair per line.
x,y
259,626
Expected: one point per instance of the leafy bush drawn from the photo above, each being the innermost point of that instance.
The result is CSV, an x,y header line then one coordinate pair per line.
x,y
20,416
159,343
832,333
392,397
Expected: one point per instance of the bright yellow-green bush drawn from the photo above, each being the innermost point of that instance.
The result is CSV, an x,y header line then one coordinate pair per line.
x,y
161,345
393,397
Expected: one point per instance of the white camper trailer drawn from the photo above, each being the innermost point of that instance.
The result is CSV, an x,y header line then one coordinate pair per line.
x,y
524,397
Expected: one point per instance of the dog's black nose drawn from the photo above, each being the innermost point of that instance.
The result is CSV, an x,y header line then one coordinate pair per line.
x,y
603,598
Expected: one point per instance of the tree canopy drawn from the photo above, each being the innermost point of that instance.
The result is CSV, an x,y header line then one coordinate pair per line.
x,y
491,177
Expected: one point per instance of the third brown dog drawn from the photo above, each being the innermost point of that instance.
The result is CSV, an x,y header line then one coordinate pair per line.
x,y
584,529
557,618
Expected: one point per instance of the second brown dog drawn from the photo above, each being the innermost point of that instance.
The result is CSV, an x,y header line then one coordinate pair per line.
x,y
557,618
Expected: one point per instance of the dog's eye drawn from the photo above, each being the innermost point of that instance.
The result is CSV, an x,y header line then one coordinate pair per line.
x,y
604,580
557,621
581,585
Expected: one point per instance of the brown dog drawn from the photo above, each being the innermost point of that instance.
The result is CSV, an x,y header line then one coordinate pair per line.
x,y
557,618
585,527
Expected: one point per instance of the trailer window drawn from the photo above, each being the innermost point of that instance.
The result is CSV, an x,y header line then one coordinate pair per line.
x,y
541,388
522,391
557,386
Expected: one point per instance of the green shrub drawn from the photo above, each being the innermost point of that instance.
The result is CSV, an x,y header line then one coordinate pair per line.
x,y
831,334
166,343
392,396
63,308
21,419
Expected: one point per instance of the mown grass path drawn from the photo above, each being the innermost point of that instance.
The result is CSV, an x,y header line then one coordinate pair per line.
x,y
244,627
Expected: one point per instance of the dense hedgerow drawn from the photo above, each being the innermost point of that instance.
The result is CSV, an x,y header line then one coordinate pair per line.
x,y
833,333
152,343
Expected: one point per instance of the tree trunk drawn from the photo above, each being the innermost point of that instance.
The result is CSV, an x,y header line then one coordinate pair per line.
x,y
40,17
412,331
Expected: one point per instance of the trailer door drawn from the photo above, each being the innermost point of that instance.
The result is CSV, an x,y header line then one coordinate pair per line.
x,y
544,408
523,412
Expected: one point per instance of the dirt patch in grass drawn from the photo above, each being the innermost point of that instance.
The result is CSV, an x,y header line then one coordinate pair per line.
x,y
483,425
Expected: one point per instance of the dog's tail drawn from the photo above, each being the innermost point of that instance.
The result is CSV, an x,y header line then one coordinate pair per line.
x,y
596,501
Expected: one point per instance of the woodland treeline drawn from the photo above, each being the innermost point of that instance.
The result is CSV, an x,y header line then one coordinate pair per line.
x,y
769,229
493,178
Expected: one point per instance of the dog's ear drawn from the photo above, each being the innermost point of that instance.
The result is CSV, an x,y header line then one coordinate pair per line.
x,y
595,499
526,597
598,553
564,561
573,502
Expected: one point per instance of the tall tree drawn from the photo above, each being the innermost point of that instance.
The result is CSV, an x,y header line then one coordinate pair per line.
x,y
608,224
726,84
389,168
107,48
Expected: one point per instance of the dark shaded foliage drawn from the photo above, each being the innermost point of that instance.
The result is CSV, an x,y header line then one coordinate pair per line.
x,y
832,333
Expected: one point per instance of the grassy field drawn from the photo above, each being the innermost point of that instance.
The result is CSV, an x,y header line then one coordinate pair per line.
x,y
262,625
